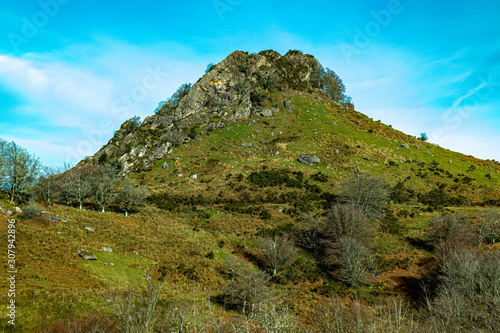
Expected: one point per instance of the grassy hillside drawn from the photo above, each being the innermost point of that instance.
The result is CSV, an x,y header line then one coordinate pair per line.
x,y
190,227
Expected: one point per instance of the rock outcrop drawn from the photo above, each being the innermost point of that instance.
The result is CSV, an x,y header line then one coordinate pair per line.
x,y
232,90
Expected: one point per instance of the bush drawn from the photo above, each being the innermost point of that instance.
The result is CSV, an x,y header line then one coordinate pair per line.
x,y
30,210
351,260
320,177
346,220
366,192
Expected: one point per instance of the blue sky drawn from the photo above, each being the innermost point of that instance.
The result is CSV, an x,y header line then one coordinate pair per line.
x,y
72,71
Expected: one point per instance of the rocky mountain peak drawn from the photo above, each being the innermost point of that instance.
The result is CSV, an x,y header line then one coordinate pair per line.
x,y
231,90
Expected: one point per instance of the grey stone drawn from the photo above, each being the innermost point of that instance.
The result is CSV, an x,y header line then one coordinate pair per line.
x,y
193,176
90,229
19,210
336,151
220,125
46,215
106,249
246,145
287,105
241,113
9,212
308,159
165,165
405,146
161,152
54,219
266,113
428,152
87,255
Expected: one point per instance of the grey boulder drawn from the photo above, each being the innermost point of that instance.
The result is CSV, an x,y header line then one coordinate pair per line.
x,y
308,159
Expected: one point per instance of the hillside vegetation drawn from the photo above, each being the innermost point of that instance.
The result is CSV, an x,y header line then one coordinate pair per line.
x,y
387,233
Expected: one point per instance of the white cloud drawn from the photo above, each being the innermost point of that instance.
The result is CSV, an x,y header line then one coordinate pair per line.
x,y
91,89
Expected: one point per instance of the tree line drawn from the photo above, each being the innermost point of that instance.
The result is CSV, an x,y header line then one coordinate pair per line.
x,y
24,178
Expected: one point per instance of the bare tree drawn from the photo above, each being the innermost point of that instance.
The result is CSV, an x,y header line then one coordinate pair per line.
x,y
76,184
488,225
346,220
137,310
103,180
279,251
49,184
449,232
130,195
468,296
367,192
350,259
247,289
310,237
19,169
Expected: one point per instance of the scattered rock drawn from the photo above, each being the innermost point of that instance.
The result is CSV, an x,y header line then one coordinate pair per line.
x,y
266,113
90,229
87,255
308,159
336,151
193,176
135,252
210,127
163,151
246,145
405,146
54,219
165,165
275,153
106,249
367,158
9,212
106,264
19,210
220,125
241,113
251,122
287,105
272,133
280,210
428,152
360,122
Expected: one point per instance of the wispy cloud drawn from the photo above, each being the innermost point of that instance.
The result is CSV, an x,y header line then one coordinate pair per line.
x,y
79,94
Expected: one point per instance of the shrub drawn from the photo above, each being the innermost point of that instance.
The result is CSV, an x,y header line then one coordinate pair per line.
x,y
367,192
30,210
346,220
320,177
351,260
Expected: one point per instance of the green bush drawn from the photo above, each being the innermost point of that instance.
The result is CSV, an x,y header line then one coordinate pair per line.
x,y
30,210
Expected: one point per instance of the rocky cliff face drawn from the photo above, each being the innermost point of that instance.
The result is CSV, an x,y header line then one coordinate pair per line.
x,y
230,91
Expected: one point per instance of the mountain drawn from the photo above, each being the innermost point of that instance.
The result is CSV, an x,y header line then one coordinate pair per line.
x,y
256,219
256,109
